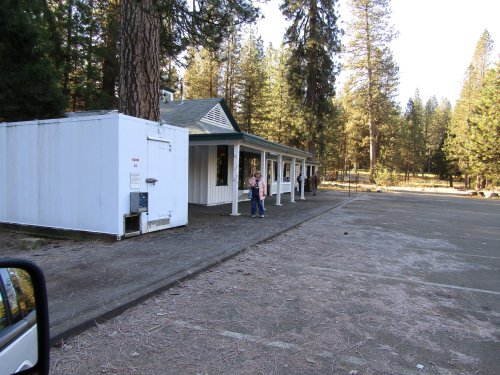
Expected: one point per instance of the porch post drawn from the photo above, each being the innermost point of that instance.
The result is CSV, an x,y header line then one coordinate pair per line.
x,y
302,186
292,181
263,170
263,165
236,169
279,180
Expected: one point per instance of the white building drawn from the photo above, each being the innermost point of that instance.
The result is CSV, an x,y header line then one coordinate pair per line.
x,y
86,173
222,157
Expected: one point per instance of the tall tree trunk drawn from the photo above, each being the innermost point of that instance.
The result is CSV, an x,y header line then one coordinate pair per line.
x,y
110,63
139,92
69,41
311,94
89,56
371,117
429,161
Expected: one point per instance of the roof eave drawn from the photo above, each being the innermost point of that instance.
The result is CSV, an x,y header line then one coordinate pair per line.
x,y
249,140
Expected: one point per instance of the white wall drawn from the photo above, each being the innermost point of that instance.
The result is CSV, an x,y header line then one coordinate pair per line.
x,y
198,174
219,194
60,173
203,187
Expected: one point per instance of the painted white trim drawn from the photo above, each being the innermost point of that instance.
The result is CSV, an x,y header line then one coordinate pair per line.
x,y
217,116
213,143
236,171
280,180
292,181
302,188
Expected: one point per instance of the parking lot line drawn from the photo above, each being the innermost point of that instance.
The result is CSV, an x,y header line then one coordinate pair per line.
x,y
413,281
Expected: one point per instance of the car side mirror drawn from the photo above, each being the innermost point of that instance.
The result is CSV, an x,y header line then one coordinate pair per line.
x,y
24,319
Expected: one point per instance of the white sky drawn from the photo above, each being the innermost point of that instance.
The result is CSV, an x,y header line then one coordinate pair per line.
x,y
436,41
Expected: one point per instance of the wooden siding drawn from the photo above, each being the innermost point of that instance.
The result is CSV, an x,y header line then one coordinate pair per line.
x,y
218,194
198,174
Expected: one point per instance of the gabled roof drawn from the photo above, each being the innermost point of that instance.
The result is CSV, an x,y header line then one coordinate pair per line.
x,y
195,116
210,120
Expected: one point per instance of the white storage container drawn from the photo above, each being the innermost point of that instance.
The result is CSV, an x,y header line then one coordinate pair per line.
x,y
78,173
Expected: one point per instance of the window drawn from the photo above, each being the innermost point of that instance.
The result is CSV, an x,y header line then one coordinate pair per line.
x,y
249,163
16,295
286,172
222,164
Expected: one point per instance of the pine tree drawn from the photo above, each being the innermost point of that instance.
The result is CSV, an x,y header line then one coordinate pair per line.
x,y
429,115
139,88
28,82
285,116
170,77
357,135
386,110
88,33
202,77
251,84
150,26
437,119
313,38
277,94
230,64
200,23
484,139
108,53
414,122
367,56
457,145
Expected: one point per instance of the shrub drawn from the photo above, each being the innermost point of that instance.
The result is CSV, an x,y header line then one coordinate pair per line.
x,y
387,178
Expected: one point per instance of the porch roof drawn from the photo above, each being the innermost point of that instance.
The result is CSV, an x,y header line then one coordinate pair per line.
x,y
250,140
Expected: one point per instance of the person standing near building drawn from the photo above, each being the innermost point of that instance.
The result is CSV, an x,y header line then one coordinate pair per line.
x,y
314,183
258,188
299,180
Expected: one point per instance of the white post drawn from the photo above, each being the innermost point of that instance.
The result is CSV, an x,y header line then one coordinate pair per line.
x,y
263,165
263,171
292,182
279,180
270,187
236,169
302,187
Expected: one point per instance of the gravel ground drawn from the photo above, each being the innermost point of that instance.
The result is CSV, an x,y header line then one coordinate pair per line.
x,y
335,295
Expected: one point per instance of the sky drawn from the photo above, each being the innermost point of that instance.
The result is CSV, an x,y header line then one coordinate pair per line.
x,y
436,42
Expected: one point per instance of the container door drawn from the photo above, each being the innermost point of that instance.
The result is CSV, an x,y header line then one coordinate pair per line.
x,y
159,182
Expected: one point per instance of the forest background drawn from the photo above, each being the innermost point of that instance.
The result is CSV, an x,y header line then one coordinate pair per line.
x,y
73,55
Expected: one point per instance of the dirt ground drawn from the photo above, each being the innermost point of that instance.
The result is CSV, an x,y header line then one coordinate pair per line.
x,y
335,295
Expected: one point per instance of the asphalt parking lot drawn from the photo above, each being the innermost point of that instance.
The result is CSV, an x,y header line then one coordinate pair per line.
x,y
390,283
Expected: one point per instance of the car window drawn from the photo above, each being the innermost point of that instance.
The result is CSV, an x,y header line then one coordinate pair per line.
x,y
23,286
17,298
11,295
